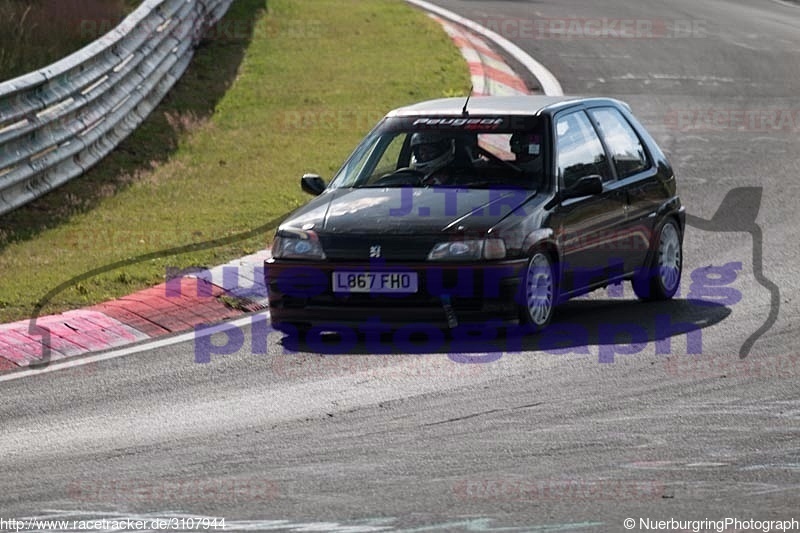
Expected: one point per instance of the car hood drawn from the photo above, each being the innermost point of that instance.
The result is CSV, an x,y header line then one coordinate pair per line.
x,y
408,210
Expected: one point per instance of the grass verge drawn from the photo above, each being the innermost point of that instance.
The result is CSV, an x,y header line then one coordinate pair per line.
x,y
274,93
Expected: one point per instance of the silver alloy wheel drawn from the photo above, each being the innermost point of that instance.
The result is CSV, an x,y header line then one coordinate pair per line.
x,y
669,257
539,289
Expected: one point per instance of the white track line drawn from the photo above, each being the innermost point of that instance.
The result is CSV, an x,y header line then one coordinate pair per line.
x,y
549,83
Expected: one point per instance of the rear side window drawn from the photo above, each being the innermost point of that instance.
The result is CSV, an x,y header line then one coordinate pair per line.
x,y
625,147
580,152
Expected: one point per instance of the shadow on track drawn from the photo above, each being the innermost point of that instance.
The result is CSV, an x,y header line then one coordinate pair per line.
x,y
617,326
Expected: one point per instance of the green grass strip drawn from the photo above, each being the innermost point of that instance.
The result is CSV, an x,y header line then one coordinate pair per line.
x,y
275,91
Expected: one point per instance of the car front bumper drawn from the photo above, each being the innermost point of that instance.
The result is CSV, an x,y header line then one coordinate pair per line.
x,y
301,295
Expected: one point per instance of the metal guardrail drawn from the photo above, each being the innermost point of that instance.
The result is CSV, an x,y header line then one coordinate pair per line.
x,y
57,122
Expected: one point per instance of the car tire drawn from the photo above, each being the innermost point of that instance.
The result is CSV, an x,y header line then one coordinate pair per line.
x,y
538,292
662,277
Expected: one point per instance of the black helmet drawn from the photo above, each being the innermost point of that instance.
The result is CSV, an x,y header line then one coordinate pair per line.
x,y
527,145
432,151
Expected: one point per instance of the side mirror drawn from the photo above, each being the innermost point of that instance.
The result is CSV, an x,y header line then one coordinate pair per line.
x,y
586,186
312,184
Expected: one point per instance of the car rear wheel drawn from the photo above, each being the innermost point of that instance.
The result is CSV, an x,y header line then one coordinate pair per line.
x,y
539,290
660,281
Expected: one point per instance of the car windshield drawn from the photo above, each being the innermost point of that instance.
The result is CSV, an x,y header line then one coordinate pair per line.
x,y
468,152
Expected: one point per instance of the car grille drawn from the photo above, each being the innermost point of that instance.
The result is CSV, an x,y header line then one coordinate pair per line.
x,y
392,247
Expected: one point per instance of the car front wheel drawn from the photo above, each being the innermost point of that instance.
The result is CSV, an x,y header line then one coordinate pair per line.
x,y
539,291
661,279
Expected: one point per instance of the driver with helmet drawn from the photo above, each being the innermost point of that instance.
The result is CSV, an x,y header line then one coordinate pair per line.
x,y
432,152
527,147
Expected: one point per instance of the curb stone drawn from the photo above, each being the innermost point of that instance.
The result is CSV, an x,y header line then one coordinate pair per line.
x,y
491,75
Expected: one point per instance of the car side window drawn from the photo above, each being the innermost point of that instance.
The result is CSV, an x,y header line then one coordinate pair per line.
x,y
580,152
627,153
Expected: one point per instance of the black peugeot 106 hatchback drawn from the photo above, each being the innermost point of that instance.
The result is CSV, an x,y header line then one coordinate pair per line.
x,y
494,209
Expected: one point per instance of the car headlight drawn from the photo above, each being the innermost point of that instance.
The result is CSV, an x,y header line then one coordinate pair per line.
x,y
296,244
472,250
